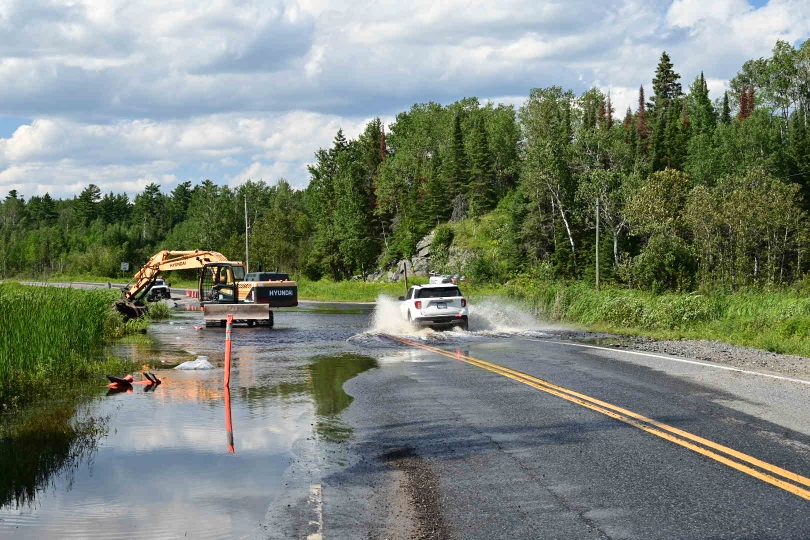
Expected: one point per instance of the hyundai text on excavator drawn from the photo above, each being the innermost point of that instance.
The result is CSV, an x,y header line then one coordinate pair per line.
x,y
221,288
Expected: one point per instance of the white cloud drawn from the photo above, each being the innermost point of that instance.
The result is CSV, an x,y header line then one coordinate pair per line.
x,y
63,156
121,91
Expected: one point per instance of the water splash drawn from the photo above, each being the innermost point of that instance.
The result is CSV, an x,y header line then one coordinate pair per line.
x,y
489,318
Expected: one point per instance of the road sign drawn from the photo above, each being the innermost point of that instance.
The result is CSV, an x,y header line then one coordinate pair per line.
x,y
125,267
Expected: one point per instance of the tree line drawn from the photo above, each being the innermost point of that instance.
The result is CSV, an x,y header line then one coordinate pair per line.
x,y
689,189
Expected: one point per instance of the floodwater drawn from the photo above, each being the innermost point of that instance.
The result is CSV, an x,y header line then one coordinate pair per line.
x,y
162,463
157,464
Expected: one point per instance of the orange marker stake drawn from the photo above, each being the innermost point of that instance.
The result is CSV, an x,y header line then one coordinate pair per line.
x,y
228,327
228,424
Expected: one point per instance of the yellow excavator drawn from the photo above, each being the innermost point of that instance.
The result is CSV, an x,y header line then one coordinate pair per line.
x,y
221,288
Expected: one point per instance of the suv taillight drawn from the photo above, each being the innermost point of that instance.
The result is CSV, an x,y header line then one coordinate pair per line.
x,y
463,302
418,304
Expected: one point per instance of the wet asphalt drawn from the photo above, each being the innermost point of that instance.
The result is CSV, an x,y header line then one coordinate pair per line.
x,y
515,462
444,449
342,433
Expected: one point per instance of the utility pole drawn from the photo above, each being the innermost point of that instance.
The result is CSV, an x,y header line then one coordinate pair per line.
x,y
597,243
247,236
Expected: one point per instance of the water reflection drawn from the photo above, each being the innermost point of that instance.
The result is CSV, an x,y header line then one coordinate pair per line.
x,y
40,443
163,470
327,375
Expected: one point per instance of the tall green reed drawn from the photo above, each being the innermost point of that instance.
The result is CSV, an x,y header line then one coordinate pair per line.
x,y
48,336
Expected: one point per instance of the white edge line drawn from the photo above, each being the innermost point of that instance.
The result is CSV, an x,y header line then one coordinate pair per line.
x,y
674,359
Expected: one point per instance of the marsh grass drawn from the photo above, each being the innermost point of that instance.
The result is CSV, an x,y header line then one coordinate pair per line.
x,y
159,311
52,339
777,321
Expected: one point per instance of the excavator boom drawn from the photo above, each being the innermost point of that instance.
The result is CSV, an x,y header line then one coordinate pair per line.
x,y
168,260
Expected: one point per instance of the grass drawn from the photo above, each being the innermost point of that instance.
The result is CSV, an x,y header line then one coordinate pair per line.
x,y
53,339
773,321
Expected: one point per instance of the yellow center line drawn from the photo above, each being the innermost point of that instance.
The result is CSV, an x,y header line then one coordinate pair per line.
x,y
654,427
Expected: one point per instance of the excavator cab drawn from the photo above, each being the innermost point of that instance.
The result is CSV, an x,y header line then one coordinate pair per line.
x,y
219,283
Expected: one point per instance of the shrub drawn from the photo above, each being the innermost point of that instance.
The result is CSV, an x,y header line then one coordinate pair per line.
x,y
666,264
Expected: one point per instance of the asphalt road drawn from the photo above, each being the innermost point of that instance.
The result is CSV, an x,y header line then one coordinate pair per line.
x,y
444,448
519,434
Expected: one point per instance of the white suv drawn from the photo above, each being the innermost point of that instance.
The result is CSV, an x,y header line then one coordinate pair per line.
x,y
436,305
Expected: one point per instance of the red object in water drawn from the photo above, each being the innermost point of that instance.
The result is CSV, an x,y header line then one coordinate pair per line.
x,y
128,381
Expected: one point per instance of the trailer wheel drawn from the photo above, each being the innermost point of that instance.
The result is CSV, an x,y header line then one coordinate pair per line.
x,y
223,323
251,323
270,320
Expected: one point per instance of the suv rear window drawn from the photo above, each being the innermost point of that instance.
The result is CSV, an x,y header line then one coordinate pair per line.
x,y
267,276
438,292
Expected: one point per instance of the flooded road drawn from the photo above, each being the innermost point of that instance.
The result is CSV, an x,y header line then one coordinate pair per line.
x,y
346,423
164,470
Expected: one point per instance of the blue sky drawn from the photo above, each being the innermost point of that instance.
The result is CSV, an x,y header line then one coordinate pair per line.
x,y
122,93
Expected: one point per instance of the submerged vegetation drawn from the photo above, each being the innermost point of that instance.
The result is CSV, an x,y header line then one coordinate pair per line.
x,y
54,338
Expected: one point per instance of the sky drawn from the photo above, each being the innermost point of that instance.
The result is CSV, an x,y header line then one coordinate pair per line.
x,y
123,93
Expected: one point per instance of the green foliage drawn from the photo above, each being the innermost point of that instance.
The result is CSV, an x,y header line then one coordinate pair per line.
x,y
52,336
666,263
763,319
686,191
666,87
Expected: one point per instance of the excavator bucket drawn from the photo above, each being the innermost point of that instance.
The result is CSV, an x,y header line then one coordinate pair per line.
x,y
129,310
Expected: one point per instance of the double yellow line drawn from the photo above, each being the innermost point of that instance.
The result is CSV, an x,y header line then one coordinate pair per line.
x,y
765,471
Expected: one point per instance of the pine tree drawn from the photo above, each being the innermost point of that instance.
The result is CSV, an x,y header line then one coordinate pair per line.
x,y
659,144
438,205
725,116
642,131
799,152
665,84
86,204
481,192
610,110
456,163
704,118
339,144
628,119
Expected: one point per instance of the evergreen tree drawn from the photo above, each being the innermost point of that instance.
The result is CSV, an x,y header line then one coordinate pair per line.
x,y
702,113
456,163
642,130
86,205
725,115
480,193
42,210
179,201
628,119
659,151
438,205
665,84
799,152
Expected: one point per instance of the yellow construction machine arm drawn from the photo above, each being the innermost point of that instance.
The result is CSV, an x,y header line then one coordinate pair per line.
x,y
168,260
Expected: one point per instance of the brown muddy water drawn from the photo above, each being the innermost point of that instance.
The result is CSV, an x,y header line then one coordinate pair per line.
x,y
157,464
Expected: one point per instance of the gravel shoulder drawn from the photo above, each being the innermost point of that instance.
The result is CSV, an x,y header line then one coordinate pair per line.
x,y
711,351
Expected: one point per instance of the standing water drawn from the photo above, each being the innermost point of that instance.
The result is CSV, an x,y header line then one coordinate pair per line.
x,y
157,464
